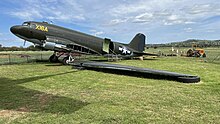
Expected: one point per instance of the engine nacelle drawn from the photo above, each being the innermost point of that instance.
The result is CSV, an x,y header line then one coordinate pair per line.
x,y
55,43
54,46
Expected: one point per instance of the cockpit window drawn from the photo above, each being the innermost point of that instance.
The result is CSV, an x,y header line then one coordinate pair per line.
x,y
26,24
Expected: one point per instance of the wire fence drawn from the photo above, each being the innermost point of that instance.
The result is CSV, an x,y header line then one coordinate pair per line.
x,y
18,57
213,56
22,57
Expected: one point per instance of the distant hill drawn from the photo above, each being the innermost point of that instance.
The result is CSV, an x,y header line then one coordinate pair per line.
x,y
188,43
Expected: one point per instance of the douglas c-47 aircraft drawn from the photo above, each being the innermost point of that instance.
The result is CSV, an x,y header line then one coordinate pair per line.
x,y
66,41
59,39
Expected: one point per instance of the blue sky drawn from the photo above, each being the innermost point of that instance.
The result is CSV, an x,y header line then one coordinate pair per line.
x,y
162,21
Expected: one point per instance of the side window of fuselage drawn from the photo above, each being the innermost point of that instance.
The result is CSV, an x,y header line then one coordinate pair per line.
x,y
33,26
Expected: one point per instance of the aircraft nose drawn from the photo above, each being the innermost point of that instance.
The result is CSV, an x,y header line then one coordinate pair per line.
x,y
14,29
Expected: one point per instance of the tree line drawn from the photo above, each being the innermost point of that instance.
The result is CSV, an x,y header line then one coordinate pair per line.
x,y
15,48
188,43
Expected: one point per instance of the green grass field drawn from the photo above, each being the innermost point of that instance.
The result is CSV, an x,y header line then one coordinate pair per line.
x,y
50,93
213,53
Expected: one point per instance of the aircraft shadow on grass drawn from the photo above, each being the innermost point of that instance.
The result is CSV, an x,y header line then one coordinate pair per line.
x,y
19,98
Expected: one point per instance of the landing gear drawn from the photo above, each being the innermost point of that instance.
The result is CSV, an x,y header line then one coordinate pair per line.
x,y
68,60
53,58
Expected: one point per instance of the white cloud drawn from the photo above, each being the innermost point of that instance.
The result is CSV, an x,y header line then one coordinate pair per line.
x,y
96,33
27,14
143,18
99,33
65,10
210,31
189,22
188,30
166,12
115,22
173,17
115,17
201,8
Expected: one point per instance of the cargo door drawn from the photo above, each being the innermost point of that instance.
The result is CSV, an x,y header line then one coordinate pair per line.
x,y
105,45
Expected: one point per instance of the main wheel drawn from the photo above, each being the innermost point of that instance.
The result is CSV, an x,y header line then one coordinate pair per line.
x,y
53,58
65,61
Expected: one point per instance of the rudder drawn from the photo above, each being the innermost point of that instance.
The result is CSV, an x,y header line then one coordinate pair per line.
x,y
138,42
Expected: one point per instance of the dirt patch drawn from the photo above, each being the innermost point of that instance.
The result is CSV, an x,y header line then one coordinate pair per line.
x,y
11,114
23,109
44,99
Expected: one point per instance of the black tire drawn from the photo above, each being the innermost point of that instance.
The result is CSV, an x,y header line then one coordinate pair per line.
x,y
53,59
189,53
65,61
197,54
204,55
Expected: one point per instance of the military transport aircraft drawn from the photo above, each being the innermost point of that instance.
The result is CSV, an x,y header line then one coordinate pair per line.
x,y
59,39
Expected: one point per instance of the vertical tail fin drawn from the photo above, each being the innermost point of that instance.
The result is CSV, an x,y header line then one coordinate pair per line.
x,y
138,42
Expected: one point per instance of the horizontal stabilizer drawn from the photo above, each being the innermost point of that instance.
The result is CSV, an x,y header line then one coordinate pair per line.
x,y
143,53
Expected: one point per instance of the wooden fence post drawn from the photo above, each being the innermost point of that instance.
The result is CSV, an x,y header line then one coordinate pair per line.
x,y
9,58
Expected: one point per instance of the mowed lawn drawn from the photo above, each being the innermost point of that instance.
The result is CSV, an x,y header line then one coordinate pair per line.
x,y
50,93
